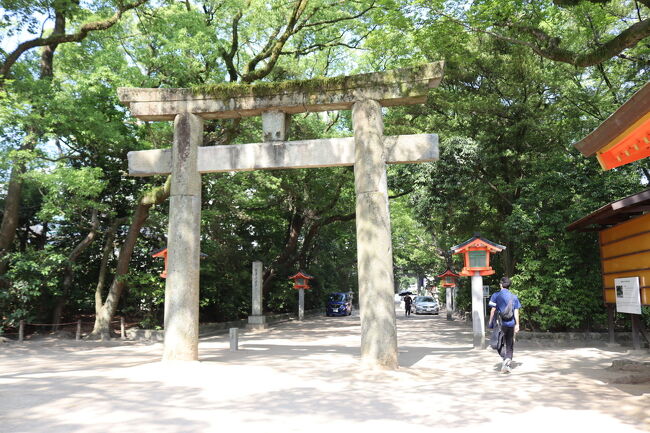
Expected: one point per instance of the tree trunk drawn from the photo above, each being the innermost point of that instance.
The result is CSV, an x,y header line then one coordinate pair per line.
x,y
106,310
68,271
103,266
11,213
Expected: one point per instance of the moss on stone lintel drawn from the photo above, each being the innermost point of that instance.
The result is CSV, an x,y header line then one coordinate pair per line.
x,y
404,78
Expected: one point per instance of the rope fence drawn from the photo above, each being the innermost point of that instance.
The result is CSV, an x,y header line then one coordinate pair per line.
x,y
22,324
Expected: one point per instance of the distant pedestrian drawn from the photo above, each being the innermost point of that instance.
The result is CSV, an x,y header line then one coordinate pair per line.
x,y
407,305
506,305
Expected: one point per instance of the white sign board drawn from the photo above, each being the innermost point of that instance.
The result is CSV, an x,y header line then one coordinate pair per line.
x,y
628,295
486,291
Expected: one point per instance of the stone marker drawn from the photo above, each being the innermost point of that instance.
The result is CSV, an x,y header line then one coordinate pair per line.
x,y
234,339
256,320
368,151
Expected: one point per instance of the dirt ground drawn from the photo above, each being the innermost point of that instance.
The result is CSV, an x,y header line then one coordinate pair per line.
x,y
299,377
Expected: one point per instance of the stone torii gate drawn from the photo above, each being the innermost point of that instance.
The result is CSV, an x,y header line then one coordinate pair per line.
x,y
369,151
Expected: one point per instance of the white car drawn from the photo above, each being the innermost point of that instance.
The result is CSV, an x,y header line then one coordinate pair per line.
x,y
425,305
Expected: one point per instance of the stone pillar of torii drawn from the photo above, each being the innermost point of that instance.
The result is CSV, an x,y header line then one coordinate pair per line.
x,y
369,151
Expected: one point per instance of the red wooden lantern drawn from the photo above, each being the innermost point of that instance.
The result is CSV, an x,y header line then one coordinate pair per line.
x,y
301,280
477,255
449,278
163,253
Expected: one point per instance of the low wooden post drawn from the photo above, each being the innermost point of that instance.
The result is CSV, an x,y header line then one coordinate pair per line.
x,y
122,334
21,330
78,336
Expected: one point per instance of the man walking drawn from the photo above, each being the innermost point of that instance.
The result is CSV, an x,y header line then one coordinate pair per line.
x,y
507,305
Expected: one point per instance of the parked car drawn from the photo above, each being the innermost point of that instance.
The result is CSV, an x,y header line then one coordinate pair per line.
x,y
339,304
425,305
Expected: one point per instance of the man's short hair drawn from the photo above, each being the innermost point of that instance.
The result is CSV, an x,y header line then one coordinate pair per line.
x,y
505,282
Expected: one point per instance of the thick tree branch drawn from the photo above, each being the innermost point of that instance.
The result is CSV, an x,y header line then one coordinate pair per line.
x,y
68,270
549,47
571,3
56,39
339,19
272,53
228,56
313,232
403,193
148,199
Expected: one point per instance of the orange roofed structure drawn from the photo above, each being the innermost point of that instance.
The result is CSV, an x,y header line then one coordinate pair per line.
x,y
301,280
448,278
624,137
162,253
477,255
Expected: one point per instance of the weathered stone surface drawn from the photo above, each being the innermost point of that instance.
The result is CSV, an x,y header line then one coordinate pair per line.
x,y
256,288
234,339
374,245
256,320
369,166
301,304
398,87
188,135
376,290
478,315
183,243
328,152
275,125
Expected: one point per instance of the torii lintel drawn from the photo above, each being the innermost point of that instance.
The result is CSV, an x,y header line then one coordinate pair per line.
x,y
405,86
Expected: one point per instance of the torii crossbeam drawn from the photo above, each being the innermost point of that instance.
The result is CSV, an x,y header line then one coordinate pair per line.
x,y
368,151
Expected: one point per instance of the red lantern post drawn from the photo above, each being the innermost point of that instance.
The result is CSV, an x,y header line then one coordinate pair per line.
x,y
162,253
449,280
301,282
477,252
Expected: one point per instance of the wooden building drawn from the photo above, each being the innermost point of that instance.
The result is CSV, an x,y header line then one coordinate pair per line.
x,y
624,237
623,225
624,137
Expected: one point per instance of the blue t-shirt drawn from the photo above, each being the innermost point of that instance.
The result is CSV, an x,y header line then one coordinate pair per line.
x,y
500,300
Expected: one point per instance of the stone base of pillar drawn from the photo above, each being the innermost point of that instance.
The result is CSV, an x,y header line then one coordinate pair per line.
x,y
257,323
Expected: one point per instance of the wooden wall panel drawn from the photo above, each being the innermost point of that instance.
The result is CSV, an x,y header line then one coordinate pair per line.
x,y
627,228
625,252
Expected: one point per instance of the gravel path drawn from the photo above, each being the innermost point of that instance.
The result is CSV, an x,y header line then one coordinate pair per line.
x,y
304,377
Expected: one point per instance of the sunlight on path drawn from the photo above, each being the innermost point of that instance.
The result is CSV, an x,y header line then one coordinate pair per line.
x,y
300,377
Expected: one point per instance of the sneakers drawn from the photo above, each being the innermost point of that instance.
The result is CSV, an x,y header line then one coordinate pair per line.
x,y
505,366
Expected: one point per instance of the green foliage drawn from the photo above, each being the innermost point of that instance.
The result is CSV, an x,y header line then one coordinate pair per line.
x,y
414,250
506,119
34,276
146,298
67,191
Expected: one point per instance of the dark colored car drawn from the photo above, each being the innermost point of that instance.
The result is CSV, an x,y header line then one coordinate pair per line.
x,y
339,304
